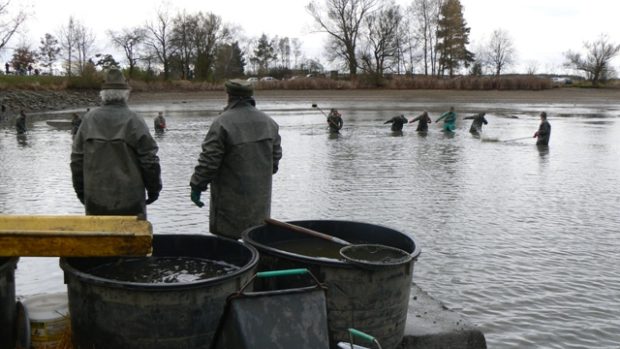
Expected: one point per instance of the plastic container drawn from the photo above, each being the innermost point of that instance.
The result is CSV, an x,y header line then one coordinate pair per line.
x,y
373,300
109,313
7,301
49,319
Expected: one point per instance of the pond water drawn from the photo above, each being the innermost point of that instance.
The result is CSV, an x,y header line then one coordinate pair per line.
x,y
522,241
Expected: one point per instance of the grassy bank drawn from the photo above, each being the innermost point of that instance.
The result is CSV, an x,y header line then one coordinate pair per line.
x,y
473,83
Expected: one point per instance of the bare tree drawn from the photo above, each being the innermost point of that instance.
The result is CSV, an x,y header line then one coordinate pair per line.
x,y
426,13
342,20
383,29
129,40
85,40
296,51
9,23
68,42
183,28
596,63
158,39
500,52
48,51
77,43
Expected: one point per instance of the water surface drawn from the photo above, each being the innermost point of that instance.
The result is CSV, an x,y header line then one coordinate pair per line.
x,y
522,241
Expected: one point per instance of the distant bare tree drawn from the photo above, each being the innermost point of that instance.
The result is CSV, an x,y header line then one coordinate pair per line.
x,y
48,51
85,40
531,68
500,51
296,51
129,40
383,29
596,63
77,43
426,13
68,42
158,39
342,20
9,23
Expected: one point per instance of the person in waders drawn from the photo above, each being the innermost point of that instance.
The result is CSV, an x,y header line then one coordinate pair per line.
x,y
240,154
423,121
334,121
159,123
476,125
114,164
544,131
449,120
397,122
20,123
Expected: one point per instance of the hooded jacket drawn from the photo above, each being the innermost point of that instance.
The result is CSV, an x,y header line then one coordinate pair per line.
x,y
114,161
240,153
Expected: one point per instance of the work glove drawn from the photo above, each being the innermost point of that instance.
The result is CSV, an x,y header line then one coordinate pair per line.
x,y
196,198
152,197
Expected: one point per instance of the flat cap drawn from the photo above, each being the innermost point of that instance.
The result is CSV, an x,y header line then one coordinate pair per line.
x,y
114,80
238,87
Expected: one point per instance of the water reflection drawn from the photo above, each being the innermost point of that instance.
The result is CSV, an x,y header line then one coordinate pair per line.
x,y
519,240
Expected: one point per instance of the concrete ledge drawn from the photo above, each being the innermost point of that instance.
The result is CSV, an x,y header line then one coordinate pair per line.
x,y
430,325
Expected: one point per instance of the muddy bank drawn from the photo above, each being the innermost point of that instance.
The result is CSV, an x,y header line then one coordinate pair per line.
x,y
42,101
38,102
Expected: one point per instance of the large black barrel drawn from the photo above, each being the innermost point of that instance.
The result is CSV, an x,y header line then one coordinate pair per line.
x,y
7,301
108,313
373,300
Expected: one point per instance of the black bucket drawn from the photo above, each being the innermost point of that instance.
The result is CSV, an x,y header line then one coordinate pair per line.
x,y
108,313
373,300
7,301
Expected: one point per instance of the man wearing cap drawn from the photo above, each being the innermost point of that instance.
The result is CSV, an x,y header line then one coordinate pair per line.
x,y
240,153
544,131
114,162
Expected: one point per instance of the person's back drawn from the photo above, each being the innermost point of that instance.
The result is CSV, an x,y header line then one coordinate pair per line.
x,y
240,154
114,160
397,122
423,121
478,121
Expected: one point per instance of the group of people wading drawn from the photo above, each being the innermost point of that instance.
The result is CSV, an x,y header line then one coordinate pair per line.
x,y
116,170
334,121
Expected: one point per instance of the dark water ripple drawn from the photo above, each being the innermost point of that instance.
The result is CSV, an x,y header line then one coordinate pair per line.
x,y
523,242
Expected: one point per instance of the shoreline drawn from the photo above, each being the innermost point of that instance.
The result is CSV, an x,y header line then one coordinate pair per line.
x,y
42,102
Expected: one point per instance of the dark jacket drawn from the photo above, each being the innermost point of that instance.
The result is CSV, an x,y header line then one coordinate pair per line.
x,y
239,155
543,134
20,124
423,121
334,121
476,125
397,122
114,161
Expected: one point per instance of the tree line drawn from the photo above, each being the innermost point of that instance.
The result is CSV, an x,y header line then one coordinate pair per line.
x,y
372,38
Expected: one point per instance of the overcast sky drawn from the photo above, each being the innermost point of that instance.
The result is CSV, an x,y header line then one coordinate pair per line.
x,y
542,30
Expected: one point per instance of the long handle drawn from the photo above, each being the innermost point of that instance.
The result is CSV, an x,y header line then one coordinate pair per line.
x,y
517,139
306,231
321,110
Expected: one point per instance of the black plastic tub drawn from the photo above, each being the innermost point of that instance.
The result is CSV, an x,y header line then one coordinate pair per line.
x,y
7,301
108,313
372,300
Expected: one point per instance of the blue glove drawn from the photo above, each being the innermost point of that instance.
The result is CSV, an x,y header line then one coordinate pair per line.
x,y
196,198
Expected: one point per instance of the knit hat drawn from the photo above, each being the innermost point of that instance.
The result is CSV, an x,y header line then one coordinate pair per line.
x,y
114,80
237,87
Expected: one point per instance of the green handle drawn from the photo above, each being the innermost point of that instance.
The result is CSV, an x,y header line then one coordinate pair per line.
x,y
362,335
285,272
